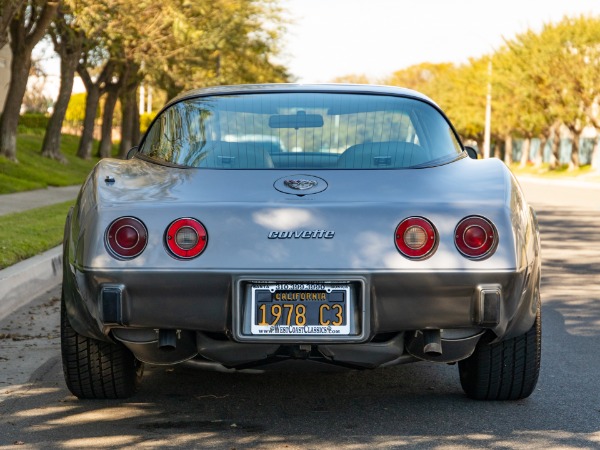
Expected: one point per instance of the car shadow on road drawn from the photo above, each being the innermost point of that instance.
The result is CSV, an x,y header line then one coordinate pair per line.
x,y
418,406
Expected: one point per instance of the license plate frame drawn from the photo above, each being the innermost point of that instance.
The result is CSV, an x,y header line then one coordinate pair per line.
x,y
302,293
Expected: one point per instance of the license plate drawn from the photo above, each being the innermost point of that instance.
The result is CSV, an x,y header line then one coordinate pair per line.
x,y
300,309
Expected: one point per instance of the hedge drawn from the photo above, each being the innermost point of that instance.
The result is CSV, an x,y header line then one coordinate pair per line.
x,y
34,120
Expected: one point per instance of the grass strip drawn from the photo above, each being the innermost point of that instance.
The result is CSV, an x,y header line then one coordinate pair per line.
x,y
26,234
33,171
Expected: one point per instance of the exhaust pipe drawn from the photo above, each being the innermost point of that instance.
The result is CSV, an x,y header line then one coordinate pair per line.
x,y
432,342
167,340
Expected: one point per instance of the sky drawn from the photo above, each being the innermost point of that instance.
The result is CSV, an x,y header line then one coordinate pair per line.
x,y
330,38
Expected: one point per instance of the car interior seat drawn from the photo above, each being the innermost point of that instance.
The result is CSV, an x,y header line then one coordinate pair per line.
x,y
375,155
237,155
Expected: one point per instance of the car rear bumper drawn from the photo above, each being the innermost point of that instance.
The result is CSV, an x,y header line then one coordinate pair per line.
x,y
213,302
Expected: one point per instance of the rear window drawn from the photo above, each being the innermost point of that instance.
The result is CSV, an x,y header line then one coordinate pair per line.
x,y
301,131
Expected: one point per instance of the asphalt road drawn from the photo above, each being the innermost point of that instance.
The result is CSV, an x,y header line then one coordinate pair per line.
x,y
414,406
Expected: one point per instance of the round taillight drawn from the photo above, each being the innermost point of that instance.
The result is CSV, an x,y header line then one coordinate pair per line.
x,y
416,238
186,238
475,237
126,237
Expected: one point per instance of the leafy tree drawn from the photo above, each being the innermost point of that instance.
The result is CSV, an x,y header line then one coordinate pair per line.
x,y
95,88
177,43
427,78
578,67
113,87
462,93
35,99
459,90
554,79
505,113
68,41
130,121
27,27
541,81
8,9
352,79
518,96
98,63
219,42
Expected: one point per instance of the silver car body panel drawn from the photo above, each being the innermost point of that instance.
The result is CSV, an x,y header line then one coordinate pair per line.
x,y
241,209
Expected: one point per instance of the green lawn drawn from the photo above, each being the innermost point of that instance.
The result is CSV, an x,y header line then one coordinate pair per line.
x,y
28,233
32,171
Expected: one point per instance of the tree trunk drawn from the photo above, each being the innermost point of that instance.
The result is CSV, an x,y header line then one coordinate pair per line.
x,y
525,149
172,93
574,162
539,154
94,92
508,150
135,132
19,72
87,134
70,51
128,106
497,150
105,149
167,83
555,157
51,144
596,155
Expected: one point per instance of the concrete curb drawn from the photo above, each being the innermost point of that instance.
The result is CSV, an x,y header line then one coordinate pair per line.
x,y
26,280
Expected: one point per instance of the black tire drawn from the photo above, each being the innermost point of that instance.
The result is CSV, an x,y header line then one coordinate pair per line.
x,y
506,370
95,369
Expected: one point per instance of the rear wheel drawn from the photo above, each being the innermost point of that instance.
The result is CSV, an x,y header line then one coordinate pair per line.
x,y
97,369
505,370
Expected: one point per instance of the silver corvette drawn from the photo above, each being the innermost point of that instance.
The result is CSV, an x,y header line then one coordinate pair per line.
x,y
334,224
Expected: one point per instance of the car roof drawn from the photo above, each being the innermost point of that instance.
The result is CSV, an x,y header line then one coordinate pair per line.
x,y
293,87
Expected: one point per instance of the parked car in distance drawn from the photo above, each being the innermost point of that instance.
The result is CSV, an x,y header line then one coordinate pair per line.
x,y
377,242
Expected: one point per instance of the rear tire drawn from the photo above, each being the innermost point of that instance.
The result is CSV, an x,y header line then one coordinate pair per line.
x,y
505,370
96,369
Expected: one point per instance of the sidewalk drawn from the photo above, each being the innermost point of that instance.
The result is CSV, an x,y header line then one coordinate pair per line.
x,y
30,278
22,201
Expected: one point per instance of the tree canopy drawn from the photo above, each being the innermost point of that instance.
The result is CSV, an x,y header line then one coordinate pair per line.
x,y
540,82
543,84
115,45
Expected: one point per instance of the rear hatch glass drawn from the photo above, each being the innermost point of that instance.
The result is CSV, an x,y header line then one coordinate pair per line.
x,y
301,131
